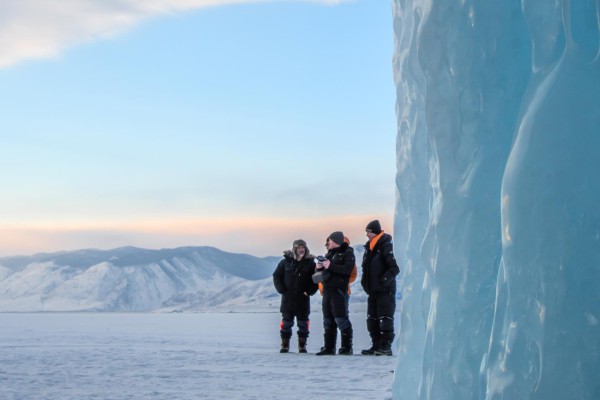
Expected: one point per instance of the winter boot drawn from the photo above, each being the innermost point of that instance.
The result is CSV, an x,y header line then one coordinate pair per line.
x,y
346,348
302,344
385,349
374,347
330,337
374,332
285,345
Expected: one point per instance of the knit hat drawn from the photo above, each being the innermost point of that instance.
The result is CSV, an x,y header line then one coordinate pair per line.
x,y
298,243
337,237
374,227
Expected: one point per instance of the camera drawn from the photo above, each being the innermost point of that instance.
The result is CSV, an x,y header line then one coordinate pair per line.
x,y
319,275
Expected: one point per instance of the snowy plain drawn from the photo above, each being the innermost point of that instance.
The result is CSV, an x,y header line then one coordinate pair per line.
x,y
178,356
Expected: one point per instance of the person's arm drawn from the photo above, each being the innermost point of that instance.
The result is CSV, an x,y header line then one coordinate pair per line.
x,y
363,278
313,286
278,280
390,262
345,268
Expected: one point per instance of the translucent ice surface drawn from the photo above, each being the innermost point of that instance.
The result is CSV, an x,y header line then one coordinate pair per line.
x,y
498,212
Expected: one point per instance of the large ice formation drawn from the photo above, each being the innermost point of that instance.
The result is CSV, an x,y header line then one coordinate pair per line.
x,y
498,208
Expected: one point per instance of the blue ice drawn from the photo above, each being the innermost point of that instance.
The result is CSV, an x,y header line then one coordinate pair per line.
x,y
498,199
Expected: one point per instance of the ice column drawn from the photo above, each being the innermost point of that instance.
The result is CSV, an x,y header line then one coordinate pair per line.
x,y
473,78
456,115
546,338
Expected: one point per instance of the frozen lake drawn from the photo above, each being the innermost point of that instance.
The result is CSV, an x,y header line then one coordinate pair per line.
x,y
178,356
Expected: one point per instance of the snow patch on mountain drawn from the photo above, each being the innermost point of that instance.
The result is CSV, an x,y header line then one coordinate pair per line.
x,y
130,279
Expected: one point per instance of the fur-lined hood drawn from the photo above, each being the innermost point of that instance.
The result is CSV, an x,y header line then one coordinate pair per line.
x,y
291,255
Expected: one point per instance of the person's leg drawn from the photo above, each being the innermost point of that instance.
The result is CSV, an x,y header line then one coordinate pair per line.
x,y
285,330
372,326
386,308
347,296
329,326
303,331
342,320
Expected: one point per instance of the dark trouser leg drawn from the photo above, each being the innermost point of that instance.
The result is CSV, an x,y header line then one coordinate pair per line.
x,y
347,297
329,326
303,325
287,322
303,332
346,348
285,331
387,336
347,333
340,311
386,308
373,328
372,325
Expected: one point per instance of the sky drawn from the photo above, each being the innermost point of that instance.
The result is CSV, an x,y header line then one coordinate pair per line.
x,y
235,124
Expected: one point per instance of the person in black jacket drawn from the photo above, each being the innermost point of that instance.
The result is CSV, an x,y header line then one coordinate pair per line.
x,y
379,282
293,280
336,270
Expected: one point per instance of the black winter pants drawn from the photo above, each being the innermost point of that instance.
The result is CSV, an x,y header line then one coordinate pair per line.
x,y
380,315
287,322
335,310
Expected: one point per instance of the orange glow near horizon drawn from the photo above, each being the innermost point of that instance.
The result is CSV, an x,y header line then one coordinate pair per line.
x,y
256,236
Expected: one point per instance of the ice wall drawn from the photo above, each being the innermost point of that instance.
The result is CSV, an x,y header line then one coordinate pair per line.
x,y
497,219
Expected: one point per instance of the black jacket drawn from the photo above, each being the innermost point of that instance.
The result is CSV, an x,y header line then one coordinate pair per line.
x,y
293,280
379,267
337,276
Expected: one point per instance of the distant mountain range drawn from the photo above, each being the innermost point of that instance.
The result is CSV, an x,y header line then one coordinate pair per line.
x,y
132,279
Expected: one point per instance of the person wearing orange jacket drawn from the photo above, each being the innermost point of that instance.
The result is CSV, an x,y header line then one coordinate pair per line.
x,y
336,268
379,282
353,276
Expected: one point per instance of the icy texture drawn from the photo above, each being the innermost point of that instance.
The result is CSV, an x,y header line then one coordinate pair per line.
x,y
498,213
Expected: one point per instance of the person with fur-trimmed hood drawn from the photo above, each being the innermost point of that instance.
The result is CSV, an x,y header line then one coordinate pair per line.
x,y
379,270
336,270
293,280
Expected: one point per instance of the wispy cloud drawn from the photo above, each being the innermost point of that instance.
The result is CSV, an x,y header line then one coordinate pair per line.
x,y
33,29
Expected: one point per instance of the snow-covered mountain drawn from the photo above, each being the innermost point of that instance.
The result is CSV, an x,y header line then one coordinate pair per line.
x,y
133,279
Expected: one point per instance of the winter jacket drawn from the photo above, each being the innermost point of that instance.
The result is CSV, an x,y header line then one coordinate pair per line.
x,y
353,276
337,276
379,266
293,280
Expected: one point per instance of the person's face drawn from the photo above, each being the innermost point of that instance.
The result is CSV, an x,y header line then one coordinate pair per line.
x,y
370,235
300,251
331,244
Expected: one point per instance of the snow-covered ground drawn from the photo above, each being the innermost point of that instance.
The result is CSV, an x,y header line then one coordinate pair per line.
x,y
178,356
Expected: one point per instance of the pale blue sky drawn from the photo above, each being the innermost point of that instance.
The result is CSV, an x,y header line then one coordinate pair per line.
x,y
241,126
